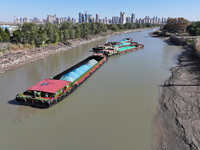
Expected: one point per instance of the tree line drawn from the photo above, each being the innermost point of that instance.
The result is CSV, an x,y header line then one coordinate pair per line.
x,y
178,25
30,33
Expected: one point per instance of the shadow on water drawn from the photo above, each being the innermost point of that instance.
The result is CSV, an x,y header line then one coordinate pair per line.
x,y
13,102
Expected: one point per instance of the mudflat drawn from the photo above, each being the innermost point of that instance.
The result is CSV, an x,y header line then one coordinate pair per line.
x,y
177,123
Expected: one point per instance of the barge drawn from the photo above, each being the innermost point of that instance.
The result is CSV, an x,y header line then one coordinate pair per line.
x,y
51,91
122,49
122,43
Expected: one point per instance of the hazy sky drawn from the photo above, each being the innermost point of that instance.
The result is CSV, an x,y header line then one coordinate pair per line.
x,y
188,9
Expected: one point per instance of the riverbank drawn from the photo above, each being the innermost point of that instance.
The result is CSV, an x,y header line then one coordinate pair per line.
x,y
159,34
14,59
177,122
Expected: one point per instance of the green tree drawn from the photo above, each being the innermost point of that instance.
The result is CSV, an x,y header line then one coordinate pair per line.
x,y
138,25
85,30
52,32
71,33
105,29
77,31
66,25
126,25
120,26
17,36
61,33
65,35
29,32
194,28
176,25
92,28
108,26
41,37
132,26
99,28
4,35
149,25
8,32
114,27
1,39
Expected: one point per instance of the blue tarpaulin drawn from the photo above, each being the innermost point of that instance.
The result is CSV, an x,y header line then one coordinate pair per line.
x,y
76,73
122,41
123,44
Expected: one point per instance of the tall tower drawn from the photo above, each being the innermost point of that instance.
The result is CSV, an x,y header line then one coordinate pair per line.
x,y
97,17
132,18
83,18
80,18
122,18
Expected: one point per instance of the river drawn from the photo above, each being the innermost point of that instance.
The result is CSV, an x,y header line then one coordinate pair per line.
x,y
112,110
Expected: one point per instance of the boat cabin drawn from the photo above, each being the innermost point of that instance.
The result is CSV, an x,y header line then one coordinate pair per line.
x,y
48,89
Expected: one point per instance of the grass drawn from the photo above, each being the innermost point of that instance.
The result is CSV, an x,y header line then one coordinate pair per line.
x,y
15,47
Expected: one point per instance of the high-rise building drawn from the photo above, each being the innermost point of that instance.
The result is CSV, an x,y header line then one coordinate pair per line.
x,y
60,20
128,19
80,17
17,20
36,18
41,21
97,17
147,19
83,18
90,18
115,20
133,18
21,19
122,18
51,18
101,20
26,19
86,18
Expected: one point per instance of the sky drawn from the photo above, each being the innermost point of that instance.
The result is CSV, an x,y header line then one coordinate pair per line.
x,y
188,9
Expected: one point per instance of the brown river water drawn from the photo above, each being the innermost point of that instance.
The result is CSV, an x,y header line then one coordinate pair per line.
x,y
112,110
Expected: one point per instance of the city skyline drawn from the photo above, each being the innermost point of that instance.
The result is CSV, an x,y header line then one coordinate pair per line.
x,y
85,17
177,8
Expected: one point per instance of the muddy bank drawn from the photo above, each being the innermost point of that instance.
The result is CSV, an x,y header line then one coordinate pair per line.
x,y
14,59
159,34
177,123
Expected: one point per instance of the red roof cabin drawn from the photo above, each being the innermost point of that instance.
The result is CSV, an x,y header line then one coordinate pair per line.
x,y
49,86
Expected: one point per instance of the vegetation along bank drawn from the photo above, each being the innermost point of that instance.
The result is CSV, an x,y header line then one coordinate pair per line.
x,y
32,42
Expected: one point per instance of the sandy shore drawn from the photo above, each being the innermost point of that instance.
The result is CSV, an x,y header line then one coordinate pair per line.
x,y
177,122
12,60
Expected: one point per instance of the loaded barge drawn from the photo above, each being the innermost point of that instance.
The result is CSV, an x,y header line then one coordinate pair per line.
x,y
122,43
51,91
121,49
